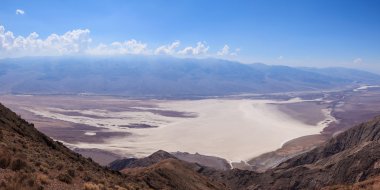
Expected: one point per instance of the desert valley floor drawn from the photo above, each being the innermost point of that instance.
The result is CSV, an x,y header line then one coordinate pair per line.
x,y
237,128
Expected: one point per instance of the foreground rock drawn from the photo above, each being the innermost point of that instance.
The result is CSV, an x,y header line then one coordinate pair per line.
x,y
173,174
208,161
156,157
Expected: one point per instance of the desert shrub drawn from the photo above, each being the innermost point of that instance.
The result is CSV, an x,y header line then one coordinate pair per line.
x,y
2,184
22,156
30,182
90,186
48,142
87,177
65,178
71,172
23,181
120,188
60,166
80,168
38,164
5,159
42,169
43,179
1,135
18,164
13,185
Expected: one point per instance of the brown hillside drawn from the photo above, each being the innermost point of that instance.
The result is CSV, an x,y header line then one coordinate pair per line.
x,y
172,174
31,160
350,159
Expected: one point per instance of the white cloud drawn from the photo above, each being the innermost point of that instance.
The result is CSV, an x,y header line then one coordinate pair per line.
x,y
224,51
79,42
168,49
358,60
120,48
75,41
72,42
200,49
235,53
20,12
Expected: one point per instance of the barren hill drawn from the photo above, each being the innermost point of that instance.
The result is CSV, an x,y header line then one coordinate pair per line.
x,y
31,160
348,160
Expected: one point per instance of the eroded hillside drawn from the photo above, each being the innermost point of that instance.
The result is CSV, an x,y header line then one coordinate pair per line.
x,y
31,160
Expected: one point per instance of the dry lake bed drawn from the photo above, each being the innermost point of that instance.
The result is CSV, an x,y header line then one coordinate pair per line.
x,y
234,128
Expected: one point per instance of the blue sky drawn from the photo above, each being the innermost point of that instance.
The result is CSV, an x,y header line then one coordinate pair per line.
x,y
293,32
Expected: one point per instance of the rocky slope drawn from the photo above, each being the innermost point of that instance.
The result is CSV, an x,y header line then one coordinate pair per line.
x,y
204,160
208,161
31,160
173,174
347,159
142,162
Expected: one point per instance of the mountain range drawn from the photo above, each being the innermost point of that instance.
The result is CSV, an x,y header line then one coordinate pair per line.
x,y
166,77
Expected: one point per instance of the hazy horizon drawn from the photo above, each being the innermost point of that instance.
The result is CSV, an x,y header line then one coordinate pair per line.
x,y
168,57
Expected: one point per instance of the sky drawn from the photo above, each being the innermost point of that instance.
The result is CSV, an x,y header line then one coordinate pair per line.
x,y
313,33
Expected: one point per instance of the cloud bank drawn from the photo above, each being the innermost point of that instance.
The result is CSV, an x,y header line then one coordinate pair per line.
x,y
199,49
72,42
20,12
168,49
225,51
119,48
79,42
358,60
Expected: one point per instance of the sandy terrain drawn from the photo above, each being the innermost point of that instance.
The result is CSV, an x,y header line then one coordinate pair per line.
x,y
308,112
353,107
